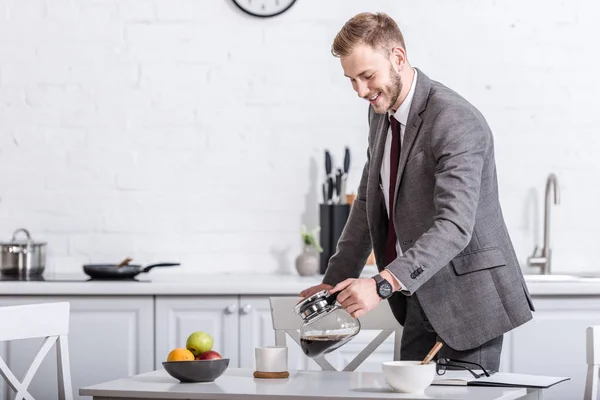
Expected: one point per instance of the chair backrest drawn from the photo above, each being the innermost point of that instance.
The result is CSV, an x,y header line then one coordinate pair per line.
x,y
285,322
593,359
48,320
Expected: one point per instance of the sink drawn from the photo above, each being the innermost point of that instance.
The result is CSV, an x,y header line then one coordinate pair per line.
x,y
583,277
550,278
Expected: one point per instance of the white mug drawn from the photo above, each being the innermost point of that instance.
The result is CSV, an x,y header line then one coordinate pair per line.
x,y
271,359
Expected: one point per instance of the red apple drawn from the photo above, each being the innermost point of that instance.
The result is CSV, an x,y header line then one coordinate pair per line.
x,y
209,355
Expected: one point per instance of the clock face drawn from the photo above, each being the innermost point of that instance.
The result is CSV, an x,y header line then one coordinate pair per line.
x,y
385,289
264,8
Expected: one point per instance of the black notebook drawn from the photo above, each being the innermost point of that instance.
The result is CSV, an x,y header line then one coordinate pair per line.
x,y
504,379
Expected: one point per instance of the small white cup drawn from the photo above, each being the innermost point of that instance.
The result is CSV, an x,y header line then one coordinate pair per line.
x,y
271,359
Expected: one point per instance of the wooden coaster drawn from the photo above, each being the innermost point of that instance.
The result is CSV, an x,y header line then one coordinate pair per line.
x,y
271,375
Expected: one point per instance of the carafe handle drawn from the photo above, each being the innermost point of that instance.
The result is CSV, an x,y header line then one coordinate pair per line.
x,y
332,298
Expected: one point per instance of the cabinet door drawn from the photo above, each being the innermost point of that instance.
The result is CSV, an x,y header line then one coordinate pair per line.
x,y
179,316
554,343
109,338
256,328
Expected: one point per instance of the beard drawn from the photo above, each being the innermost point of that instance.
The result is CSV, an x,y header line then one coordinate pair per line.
x,y
391,91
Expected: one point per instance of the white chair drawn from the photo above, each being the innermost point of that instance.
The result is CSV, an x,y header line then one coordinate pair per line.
x,y
285,322
593,359
49,320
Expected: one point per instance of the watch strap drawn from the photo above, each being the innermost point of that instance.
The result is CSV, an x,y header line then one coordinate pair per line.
x,y
378,278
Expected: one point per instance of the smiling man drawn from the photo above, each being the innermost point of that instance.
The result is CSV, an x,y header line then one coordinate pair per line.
x,y
428,206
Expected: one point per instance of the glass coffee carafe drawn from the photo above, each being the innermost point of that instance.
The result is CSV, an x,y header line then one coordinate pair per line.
x,y
327,326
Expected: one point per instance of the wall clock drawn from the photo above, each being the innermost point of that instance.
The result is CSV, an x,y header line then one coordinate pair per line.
x,y
264,8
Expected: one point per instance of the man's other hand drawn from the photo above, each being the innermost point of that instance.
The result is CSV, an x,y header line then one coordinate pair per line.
x,y
314,289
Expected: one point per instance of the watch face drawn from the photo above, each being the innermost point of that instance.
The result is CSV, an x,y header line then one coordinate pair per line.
x,y
264,8
385,289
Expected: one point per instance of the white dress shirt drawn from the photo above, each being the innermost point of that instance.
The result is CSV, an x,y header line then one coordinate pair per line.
x,y
401,116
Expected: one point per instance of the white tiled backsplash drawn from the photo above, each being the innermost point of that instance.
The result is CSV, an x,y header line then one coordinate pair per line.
x,y
185,130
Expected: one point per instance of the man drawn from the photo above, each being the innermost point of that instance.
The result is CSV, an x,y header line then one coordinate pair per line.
x,y
445,253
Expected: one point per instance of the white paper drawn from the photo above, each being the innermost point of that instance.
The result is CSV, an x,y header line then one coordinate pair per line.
x,y
497,379
519,380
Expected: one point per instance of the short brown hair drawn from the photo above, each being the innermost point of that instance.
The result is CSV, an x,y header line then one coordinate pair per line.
x,y
376,30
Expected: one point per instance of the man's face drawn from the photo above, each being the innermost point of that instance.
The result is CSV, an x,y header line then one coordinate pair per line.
x,y
373,77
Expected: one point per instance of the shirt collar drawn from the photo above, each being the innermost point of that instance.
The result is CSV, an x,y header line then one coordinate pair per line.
x,y
401,113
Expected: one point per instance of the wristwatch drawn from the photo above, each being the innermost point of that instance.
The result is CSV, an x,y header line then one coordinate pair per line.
x,y
384,288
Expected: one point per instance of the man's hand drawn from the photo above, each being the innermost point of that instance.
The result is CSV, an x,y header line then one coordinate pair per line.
x,y
314,289
357,296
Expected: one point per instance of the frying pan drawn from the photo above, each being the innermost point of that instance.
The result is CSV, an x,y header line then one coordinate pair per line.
x,y
113,271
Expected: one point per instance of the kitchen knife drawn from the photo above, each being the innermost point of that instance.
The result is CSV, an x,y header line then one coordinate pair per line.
x,y
328,165
347,160
338,185
328,185
329,190
344,177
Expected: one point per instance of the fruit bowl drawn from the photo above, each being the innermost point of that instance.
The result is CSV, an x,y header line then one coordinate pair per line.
x,y
196,370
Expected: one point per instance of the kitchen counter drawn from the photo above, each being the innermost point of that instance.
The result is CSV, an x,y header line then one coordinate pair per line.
x,y
179,284
238,384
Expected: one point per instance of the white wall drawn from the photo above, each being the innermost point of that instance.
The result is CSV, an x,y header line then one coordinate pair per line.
x,y
186,130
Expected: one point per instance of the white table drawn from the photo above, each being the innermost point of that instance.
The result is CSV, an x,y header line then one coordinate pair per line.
x,y
239,384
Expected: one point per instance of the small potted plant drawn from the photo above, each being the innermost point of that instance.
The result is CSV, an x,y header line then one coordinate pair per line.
x,y
307,262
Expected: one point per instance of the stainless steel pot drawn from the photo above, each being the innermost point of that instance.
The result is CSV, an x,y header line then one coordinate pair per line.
x,y
22,257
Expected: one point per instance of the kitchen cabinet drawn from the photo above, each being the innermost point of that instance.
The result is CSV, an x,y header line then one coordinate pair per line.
x,y
554,343
110,337
237,324
178,316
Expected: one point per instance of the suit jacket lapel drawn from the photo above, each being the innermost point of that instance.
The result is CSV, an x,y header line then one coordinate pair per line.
x,y
413,124
381,135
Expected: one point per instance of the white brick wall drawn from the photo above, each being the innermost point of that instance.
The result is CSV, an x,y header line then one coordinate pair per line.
x,y
185,130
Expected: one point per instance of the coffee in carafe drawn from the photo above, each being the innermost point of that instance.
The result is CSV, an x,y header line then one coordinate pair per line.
x,y
327,326
314,346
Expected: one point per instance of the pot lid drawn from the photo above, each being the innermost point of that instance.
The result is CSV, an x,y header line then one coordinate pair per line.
x,y
316,305
26,241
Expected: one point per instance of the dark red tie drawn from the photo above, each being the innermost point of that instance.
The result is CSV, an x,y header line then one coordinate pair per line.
x,y
390,247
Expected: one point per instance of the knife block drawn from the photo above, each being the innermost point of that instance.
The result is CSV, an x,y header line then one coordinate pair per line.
x,y
332,219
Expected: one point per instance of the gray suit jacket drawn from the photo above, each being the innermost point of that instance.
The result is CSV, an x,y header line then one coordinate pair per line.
x,y
457,254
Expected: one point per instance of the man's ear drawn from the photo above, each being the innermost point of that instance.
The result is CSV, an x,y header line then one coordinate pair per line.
x,y
398,58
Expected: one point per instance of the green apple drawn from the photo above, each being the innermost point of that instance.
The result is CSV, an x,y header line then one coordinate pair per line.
x,y
199,342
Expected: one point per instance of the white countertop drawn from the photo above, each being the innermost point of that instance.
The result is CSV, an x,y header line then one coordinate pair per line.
x,y
178,284
239,384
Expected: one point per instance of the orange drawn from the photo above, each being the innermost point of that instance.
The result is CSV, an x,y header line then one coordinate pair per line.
x,y
180,354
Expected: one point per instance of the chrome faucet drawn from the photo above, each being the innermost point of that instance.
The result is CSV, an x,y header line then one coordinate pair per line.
x,y
544,258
